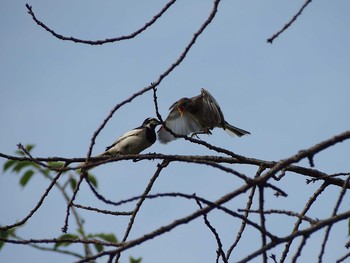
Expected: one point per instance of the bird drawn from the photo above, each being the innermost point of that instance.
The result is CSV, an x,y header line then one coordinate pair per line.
x,y
196,115
134,141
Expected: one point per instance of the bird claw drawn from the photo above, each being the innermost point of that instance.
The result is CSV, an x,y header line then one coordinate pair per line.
x,y
195,134
204,131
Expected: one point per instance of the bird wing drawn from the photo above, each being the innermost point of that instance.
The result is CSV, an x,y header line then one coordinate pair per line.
x,y
211,108
126,135
184,125
174,112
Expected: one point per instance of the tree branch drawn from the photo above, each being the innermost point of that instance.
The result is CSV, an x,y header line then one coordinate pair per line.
x,y
286,26
104,41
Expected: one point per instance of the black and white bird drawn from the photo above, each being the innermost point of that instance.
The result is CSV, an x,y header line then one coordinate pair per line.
x,y
196,115
134,141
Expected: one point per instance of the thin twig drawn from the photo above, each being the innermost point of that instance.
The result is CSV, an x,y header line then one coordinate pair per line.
x,y
104,41
283,212
335,210
346,256
58,250
286,26
59,241
243,224
37,206
262,222
215,233
107,212
313,180
69,204
300,248
184,220
305,232
307,207
141,200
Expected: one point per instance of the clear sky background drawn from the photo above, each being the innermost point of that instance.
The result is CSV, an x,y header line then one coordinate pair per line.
x,y
290,95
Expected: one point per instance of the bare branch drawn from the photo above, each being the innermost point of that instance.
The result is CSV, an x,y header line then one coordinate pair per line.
x,y
301,246
329,227
215,233
141,200
286,26
161,77
308,205
262,222
107,212
306,232
282,212
346,256
269,175
58,241
316,174
104,41
244,222
38,205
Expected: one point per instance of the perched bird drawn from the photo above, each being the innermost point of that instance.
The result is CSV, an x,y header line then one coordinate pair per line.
x,y
134,141
196,115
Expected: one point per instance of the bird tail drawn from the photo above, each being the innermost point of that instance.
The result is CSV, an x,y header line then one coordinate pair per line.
x,y
234,131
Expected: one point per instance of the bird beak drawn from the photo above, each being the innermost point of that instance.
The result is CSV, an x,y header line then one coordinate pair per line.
x,y
181,110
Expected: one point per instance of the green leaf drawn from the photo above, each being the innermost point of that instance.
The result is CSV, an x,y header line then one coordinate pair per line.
x,y
65,236
5,234
98,247
135,260
56,165
106,237
81,231
20,152
26,177
8,164
93,180
73,183
29,147
21,164
45,172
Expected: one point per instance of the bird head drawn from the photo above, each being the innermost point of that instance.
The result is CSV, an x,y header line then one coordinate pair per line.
x,y
183,105
181,109
150,122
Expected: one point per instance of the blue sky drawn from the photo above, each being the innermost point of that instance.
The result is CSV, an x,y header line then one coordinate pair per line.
x,y
290,95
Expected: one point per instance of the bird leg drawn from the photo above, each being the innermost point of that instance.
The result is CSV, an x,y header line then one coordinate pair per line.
x,y
195,135
203,131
